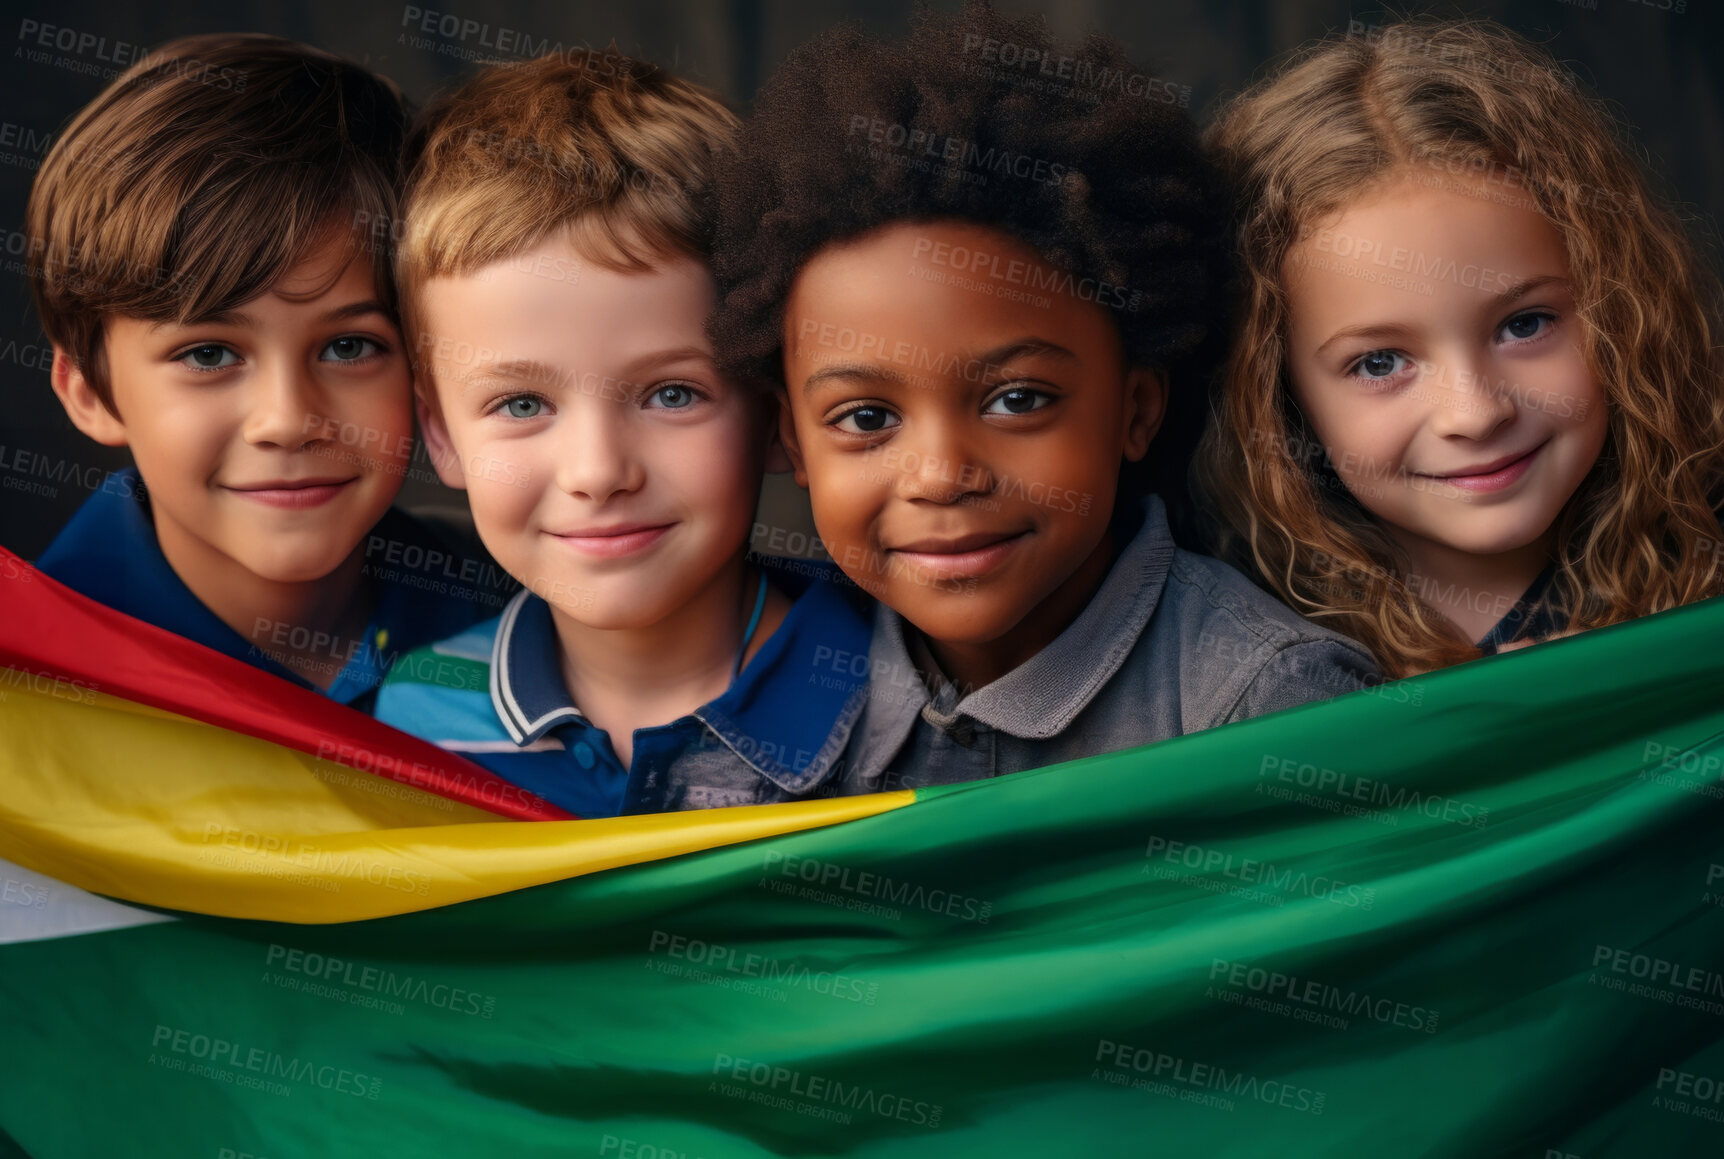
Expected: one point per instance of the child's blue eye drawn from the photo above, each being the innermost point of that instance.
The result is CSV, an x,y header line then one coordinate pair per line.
x,y
1379,364
1523,326
209,357
1019,401
866,420
674,397
523,406
350,349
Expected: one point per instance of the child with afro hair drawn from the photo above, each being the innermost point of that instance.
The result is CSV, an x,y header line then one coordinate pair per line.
x,y
983,272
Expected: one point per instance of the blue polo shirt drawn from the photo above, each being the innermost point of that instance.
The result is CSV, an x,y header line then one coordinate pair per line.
x,y
426,583
495,693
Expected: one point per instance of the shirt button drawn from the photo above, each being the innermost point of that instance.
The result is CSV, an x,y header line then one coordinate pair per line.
x,y
584,754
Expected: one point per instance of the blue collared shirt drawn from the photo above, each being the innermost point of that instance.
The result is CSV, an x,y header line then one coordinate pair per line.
x,y
108,551
496,694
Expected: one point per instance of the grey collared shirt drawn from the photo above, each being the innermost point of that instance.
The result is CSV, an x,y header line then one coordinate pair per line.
x,y
1172,643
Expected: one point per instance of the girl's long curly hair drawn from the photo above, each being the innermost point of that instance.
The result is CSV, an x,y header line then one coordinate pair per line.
x,y
1471,99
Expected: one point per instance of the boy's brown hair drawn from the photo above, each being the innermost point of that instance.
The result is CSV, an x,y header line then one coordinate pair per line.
x,y
199,177
616,151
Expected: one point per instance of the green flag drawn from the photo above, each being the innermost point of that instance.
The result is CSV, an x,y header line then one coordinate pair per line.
x,y
1471,914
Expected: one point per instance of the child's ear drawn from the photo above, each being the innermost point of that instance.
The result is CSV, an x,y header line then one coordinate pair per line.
x,y
438,446
83,405
787,445
1145,407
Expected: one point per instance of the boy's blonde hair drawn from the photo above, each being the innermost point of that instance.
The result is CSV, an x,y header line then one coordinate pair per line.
x,y
199,177
1473,105
615,151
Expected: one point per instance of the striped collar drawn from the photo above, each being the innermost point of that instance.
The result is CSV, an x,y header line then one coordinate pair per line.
x,y
526,678
788,714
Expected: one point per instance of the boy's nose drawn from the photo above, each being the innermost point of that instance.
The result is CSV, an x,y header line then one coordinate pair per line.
x,y
597,457
284,408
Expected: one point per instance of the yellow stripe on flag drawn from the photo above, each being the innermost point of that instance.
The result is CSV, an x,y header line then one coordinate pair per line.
x,y
126,800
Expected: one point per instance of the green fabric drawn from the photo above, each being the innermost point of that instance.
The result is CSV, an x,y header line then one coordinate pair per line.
x,y
1504,940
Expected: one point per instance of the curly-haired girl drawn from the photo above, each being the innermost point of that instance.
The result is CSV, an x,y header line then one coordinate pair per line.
x,y
1475,398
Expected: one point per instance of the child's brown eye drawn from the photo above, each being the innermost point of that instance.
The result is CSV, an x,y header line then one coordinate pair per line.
x,y
1019,401
866,420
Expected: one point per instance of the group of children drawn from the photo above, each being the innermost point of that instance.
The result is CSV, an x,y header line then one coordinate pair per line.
x,y
1407,340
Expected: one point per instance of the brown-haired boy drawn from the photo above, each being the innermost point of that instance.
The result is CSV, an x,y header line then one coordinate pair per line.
x,y
556,289
203,268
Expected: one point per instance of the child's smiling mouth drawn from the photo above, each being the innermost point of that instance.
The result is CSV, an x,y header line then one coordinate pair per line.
x,y
617,541
969,555
1494,475
292,493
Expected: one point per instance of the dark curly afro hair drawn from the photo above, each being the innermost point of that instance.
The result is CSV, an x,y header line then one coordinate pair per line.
x,y
1123,195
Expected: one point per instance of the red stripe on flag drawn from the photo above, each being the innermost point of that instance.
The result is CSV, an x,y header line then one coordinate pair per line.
x,y
48,629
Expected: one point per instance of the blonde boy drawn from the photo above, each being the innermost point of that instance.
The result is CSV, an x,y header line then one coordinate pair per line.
x,y
556,294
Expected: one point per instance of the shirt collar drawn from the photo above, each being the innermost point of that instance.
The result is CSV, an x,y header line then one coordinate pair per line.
x,y
1039,697
109,552
1530,618
788,714
527,686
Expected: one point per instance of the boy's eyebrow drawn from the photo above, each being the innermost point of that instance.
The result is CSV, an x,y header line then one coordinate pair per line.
x,y
670,358
524,369
356,310
532,370
240,317
998,356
